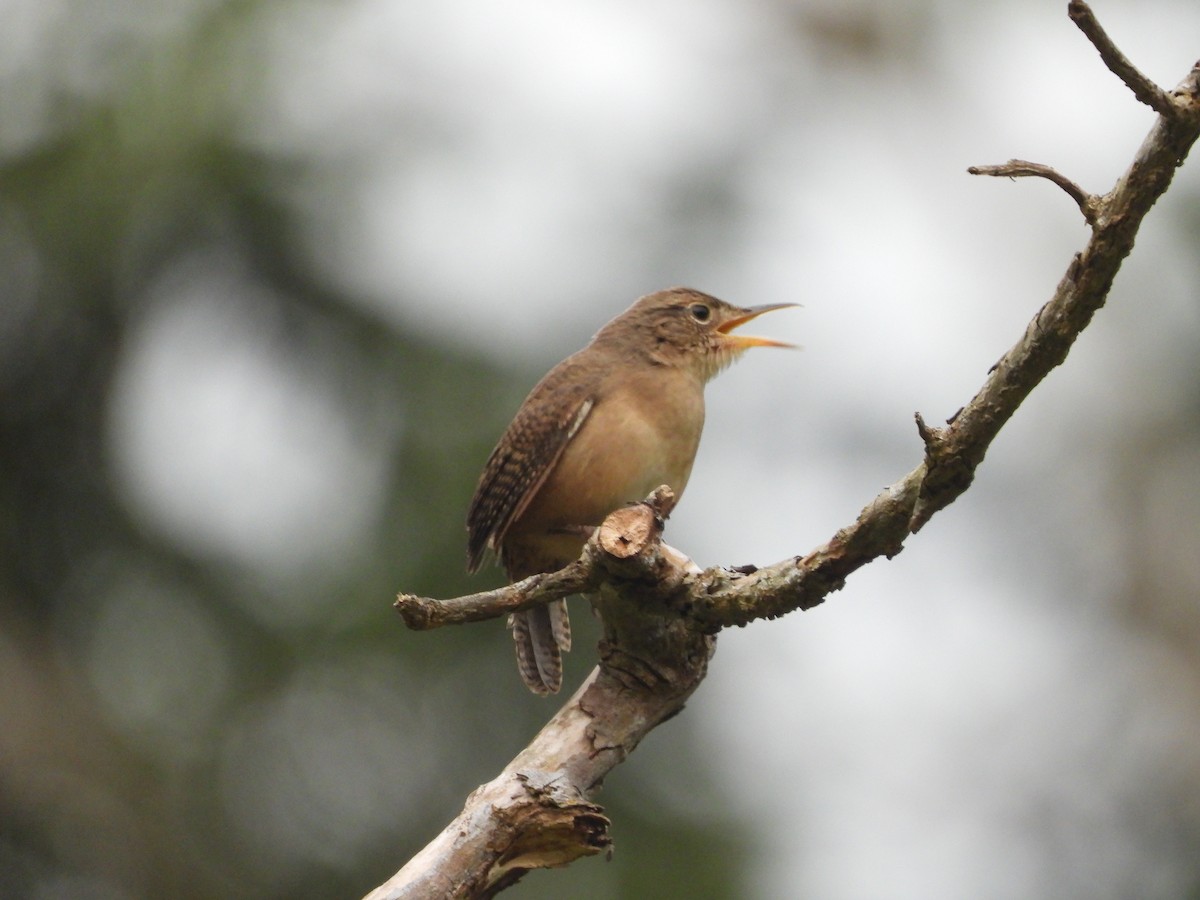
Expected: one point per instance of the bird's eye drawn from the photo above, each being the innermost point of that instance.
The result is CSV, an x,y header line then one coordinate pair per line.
x,y
700,312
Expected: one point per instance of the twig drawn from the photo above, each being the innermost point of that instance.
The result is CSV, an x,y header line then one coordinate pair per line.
x,y
1118,63
1019,168
426,613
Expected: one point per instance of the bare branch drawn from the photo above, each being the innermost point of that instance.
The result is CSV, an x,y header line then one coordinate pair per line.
x,y
952,454
527,817
426,613
536,813
1020,168
1118,63
659,615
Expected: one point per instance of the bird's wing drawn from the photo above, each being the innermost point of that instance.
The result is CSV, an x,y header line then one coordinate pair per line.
x,y
549,418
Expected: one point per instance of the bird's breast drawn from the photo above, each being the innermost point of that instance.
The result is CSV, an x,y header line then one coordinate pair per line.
x,y
642,431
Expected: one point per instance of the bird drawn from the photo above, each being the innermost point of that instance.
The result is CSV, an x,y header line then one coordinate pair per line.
x,y
600,430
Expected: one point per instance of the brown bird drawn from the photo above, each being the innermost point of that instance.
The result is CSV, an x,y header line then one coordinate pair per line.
x,y
602,429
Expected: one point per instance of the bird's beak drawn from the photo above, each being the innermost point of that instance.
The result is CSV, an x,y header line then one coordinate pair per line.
x,y
743,341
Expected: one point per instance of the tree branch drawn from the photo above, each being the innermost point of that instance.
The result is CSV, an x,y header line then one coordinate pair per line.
x,y
1143,88
426,613
1019,168
536,813
659,615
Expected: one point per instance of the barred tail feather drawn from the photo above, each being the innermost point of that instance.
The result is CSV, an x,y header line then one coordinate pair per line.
x,y
541,634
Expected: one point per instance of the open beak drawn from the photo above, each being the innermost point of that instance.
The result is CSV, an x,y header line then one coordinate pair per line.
x,y
742,341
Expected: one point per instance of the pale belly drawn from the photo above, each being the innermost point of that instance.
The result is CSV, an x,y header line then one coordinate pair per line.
x,y
623,451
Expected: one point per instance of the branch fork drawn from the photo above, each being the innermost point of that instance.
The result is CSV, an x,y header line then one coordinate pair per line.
x,y
1178,106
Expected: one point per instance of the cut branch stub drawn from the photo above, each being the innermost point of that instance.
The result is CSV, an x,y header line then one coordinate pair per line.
x,y
629,530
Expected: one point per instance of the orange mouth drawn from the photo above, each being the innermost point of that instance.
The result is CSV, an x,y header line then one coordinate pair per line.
x,y
743,341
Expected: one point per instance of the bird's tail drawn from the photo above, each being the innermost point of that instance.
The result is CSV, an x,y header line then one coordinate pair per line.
x,y
542,635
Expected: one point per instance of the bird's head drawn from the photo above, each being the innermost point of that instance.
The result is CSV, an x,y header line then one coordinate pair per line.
x,y
684,327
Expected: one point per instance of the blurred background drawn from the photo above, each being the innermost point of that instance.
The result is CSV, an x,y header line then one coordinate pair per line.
x,y
276,275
